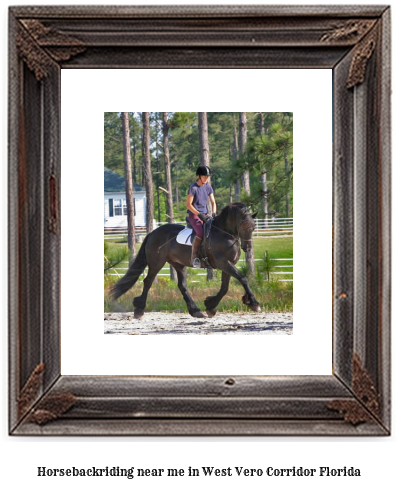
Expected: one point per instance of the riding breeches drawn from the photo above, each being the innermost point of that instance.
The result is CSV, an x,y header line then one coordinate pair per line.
x,y
197,224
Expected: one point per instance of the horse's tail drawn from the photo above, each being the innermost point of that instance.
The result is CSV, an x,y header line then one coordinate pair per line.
x,y
132,275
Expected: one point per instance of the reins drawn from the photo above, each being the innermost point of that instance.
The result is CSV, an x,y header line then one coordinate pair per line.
x,y
225,232
237,238
169,240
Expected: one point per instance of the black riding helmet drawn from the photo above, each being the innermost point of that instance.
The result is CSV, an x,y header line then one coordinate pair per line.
x,y
203,171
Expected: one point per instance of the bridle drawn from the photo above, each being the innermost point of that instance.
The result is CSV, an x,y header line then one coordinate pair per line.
x,y
240,238
237,236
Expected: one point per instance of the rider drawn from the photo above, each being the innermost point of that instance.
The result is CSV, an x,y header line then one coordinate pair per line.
x,y
196,207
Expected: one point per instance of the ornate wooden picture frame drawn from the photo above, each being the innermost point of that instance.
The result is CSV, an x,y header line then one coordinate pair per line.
x,y
354,42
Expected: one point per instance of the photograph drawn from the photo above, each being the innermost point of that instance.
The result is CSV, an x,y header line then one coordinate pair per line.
x,y
49,142
192,201
191,214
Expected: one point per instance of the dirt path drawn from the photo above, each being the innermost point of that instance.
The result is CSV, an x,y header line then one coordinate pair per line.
x,y
177,323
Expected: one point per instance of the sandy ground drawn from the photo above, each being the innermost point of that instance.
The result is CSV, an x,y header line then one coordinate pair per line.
x,y
180,323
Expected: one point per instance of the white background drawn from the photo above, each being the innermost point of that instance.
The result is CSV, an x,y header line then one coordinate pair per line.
x,y
85,348
377,457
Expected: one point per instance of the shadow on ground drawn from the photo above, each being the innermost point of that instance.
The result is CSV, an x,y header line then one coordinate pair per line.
x,y
154,323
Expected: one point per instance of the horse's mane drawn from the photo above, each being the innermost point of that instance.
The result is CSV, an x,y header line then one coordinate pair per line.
x,y
235,208
235,213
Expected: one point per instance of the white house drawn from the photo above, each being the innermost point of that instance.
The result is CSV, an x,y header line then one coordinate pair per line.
x,y
115,206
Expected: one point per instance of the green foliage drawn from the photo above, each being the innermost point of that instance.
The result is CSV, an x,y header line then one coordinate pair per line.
x,y
266,267
113,142
114,257
270,151
244,269
273,294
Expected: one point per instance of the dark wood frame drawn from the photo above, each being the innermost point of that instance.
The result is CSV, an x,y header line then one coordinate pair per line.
x,y
353,41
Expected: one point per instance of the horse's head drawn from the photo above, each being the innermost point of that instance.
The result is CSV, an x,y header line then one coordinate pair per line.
x,y
245,229
237,220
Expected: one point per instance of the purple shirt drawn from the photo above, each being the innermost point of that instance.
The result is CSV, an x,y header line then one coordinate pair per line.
x,y
200,194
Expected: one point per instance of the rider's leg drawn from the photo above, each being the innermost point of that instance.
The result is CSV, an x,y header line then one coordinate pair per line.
x,y
195,261
197,224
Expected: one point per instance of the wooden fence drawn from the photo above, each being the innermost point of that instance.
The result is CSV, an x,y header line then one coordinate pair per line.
x,y
279,227
277,270
264,228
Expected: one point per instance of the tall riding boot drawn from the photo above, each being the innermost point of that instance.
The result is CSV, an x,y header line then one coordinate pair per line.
x,y
195,261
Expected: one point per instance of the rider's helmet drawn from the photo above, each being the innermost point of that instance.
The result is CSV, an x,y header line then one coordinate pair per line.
x,y
203,171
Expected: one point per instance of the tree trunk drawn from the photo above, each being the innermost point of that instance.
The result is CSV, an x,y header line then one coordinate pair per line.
x,y
250,258
263,180
230,187
157,184
203,139
261,123
204,160
147,173
287,196
243,144
237,189
134,164
263,176
169,196
204,147
131,236
249,255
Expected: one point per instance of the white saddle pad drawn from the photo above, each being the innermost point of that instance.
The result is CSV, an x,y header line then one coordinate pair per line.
x,y
184,237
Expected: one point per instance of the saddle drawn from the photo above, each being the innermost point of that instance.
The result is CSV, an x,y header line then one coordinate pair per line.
x,y
187,235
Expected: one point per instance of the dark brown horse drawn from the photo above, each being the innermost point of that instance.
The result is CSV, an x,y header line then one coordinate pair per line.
x,y
230,230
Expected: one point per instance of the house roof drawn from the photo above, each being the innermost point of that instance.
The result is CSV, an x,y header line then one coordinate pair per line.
x,y
115,183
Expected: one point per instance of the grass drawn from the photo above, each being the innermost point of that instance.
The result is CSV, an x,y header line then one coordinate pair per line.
x,y
277,247
273,295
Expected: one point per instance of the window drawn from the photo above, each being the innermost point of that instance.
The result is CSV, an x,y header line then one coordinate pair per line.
x,y
125,207
118,206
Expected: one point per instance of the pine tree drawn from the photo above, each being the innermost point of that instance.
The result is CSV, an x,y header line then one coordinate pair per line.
x,y
204,160
267,160
131,236
148,173
237,189
243,145
263,176
168,179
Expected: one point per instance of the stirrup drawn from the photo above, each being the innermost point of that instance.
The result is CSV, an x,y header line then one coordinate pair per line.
x,y
196,263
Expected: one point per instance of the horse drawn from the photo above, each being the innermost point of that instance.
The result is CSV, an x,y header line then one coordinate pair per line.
x,y
230,230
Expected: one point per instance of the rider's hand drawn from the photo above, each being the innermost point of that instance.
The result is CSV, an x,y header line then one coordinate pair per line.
x,y
203,217
214,215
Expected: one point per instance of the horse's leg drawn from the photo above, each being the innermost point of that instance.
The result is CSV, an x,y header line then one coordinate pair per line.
x,y
248,298
140,301
193,309
212,301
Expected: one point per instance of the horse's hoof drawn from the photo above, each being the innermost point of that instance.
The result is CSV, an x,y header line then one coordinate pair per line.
x,y
138,314
256,308
197,314
245,299
211,313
